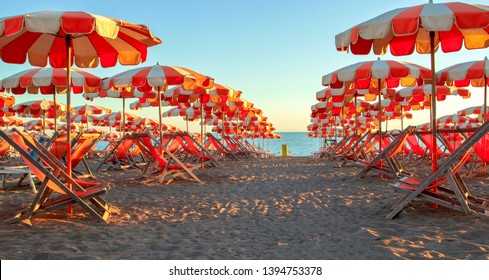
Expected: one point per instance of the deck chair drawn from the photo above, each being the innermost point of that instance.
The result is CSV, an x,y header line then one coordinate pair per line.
x,y
54,191
220,148
57,144
446,187
196,151
386,162
119,157
162,165
4,149
84,144
350,153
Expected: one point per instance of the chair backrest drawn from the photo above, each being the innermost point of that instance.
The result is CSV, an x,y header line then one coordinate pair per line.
x,y
83,146
58,146
19,139
4,148
414,145
482,148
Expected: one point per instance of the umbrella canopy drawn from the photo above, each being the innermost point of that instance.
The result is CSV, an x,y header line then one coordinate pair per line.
x,y
157,78
424,28
89,110
407,29
39,125
8,121
49,80
475,73
476,110
6,100
377,74
66,37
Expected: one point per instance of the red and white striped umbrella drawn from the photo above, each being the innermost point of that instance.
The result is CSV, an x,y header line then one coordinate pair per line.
x,y
8,121
418,93
365,75
88,110
157,78
476,110
6,100
64,127
407,29
66,37
94,39
83,119
39,125
49,80
424,28
455,119
39,108
474,73
116,117
377,74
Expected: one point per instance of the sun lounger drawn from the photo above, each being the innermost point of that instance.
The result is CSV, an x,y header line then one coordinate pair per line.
x,y
386,162
119,156
219,148
4,149
162,165
446,187
57,190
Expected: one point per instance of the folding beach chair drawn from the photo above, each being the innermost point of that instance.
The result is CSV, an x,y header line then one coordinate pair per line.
x,y
81,148
53,192
386,162
195,151
162,165
4,149
57,144
446,187
120,156
219,148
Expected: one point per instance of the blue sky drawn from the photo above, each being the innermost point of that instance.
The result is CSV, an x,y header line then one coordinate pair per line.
x,y
274,51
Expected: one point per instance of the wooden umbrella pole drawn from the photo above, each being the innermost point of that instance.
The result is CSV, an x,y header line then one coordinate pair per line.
x,y
201,120
402,121
123,124
68,113
380,116
434,160
55,112
485,98
356,116
160,115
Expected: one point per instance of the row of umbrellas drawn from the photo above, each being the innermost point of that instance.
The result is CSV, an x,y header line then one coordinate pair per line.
x,y
424,28
81,37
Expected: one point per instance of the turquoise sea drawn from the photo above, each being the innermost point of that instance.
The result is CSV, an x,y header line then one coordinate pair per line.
x,y
297,144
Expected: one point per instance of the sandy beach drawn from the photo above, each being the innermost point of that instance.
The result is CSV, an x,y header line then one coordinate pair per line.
x,y
279,208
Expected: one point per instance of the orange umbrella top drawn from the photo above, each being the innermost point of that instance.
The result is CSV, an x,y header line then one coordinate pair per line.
x,y
95,39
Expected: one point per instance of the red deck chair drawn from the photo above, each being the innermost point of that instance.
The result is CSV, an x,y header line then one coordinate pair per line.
x,y
162,165
53,192
119,157
446,187
387,162
4,149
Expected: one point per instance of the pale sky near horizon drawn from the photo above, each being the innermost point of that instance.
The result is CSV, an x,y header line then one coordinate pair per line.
x,y
274,51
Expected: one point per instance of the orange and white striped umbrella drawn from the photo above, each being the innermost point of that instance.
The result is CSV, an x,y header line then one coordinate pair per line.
x,y
8,121
474,73
39,125
476,110
64,38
